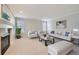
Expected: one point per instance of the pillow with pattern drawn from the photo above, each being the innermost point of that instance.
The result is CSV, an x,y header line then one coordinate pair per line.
x,y
67,33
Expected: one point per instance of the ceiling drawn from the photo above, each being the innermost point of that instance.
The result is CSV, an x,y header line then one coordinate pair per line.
x,y
42,11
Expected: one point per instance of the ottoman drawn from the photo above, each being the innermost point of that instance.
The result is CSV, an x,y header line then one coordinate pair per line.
x,y
60,48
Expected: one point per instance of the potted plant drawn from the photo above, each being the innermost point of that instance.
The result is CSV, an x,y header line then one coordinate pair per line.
x,y
18,33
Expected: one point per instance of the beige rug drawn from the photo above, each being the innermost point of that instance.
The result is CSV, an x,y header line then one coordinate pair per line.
x,y
26,46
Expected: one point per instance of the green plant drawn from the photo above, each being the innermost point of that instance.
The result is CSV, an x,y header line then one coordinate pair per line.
x,y
18,32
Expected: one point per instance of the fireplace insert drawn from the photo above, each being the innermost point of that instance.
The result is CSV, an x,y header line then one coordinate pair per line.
x,y
5,43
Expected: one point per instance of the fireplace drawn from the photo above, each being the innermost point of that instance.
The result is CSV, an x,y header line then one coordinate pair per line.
x,y
5,39
5,43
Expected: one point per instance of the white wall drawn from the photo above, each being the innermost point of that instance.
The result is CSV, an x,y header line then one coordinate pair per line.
x,y
72,22
33,25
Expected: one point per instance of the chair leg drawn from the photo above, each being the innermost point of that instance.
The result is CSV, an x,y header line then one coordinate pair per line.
x,y
46,43
53,40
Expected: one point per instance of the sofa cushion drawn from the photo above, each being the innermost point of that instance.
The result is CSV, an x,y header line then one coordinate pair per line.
x,y
67,33
52,32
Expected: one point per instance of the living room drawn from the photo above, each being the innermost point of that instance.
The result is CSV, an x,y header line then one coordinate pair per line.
x,y
42,27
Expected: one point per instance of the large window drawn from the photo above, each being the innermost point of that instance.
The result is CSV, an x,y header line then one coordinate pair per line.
x,y
20,24
46,26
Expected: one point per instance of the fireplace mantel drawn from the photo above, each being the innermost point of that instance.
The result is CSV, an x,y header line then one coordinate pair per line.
x,y
5,23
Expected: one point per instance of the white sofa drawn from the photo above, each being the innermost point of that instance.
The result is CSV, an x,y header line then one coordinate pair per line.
x,y
61,35
68,38
60,48
32,34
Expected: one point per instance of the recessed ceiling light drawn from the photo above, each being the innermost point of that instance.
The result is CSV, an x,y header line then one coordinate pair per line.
x,y
21,12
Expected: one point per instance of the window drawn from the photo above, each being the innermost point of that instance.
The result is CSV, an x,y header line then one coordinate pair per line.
x,y
46,26
20,24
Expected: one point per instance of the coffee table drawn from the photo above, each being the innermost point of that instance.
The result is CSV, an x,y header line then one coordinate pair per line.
x,y
46,39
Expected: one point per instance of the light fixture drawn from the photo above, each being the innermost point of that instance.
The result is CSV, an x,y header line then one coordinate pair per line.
x,y
75,30
21,12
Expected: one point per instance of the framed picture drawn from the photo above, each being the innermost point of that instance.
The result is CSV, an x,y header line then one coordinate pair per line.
x,y
5,12
61,24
